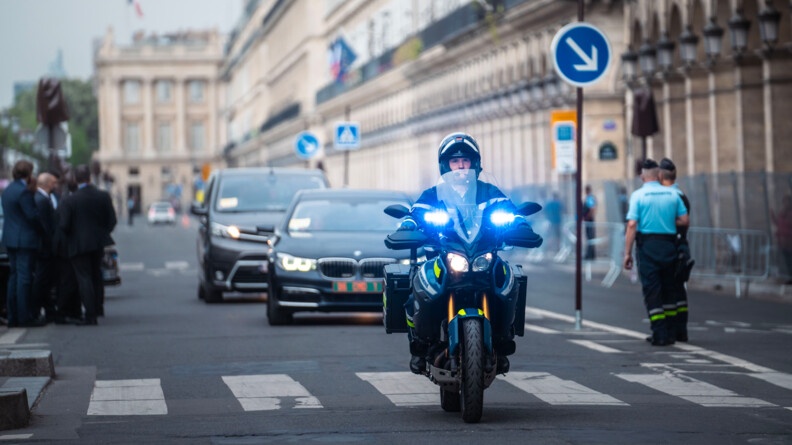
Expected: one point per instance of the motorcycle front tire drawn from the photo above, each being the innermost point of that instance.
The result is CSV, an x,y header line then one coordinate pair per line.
x,y
472,364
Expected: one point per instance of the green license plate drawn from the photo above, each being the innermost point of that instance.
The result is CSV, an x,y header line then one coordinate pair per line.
x,y
355,287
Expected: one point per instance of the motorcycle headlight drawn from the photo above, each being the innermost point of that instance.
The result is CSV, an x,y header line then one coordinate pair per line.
x,y
295,264
501,218
457,263
436,218
482,262
225,231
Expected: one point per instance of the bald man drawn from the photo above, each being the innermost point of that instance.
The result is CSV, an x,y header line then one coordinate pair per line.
x,y
45,274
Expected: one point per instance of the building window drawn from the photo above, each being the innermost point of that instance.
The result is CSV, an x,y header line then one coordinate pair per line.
x,y
164,90
132,138
134,171
197,137
164,137
196,88
132,91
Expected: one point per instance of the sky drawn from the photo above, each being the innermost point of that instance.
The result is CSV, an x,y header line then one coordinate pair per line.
x,y
32,31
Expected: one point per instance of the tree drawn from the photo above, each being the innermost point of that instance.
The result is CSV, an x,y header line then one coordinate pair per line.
x,y
84,121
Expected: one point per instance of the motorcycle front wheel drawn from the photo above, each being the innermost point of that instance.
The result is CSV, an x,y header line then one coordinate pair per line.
x,y
472,364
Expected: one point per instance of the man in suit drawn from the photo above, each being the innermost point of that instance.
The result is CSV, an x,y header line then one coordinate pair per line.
x,y
87,219
69,306
46,265
21,237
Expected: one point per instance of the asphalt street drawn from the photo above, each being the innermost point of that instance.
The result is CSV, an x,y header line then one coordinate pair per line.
x,y
164,367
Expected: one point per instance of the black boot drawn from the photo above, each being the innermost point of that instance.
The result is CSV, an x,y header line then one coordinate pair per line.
x,y
660,333
418,350
418,365
503,365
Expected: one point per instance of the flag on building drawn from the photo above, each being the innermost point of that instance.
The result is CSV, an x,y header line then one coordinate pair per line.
x,y
341,58
136,5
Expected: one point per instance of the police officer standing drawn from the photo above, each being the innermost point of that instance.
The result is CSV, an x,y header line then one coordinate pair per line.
x,y
652,219
684,264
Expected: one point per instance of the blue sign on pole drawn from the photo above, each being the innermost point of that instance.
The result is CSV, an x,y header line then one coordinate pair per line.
x,y
306,145
581,54
347,136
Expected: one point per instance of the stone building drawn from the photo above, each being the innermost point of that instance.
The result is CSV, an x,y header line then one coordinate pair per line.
x,y
422,69
158,113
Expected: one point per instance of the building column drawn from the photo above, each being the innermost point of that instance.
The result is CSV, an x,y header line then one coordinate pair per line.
x,y
147,149
180,127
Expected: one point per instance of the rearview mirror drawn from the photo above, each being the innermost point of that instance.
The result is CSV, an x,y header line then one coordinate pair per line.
x,y
528,208
198,210
397,211
405,239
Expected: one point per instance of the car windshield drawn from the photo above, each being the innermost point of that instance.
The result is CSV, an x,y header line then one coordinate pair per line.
x,y
161,206
262,192
343,215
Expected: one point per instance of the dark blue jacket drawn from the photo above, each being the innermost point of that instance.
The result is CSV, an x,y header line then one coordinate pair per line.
x,y
21,225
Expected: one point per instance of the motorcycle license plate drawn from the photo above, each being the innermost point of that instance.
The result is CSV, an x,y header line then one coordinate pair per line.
x,y
363,287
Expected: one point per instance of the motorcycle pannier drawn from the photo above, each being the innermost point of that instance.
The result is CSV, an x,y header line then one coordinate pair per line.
x,y
519,316
397,290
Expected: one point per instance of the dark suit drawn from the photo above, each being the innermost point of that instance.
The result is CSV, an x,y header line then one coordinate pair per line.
x,y
46,264
68,294
87,218
21,237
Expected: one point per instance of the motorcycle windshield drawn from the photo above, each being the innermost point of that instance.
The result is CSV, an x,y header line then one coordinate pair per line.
x,y
457,190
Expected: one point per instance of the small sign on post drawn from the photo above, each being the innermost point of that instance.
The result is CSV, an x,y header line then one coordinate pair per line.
x,y
347,136
306,145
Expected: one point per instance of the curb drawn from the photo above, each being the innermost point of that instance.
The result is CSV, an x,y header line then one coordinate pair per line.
x,y
14,410
24,374
26,363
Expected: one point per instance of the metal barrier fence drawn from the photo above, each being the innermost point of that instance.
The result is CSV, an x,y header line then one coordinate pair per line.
x,y
739,255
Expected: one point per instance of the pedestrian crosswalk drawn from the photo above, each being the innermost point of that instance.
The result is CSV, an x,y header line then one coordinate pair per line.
x,y
268,392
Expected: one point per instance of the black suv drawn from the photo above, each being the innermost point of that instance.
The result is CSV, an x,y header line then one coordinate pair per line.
x,y
240,209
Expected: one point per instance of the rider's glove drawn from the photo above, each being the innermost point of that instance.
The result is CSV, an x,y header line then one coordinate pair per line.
x,y
408,224
534,239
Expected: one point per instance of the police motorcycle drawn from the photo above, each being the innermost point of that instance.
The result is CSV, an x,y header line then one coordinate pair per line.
x,y
469,303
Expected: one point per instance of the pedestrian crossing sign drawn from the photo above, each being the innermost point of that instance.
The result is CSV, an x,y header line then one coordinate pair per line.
x,y
347,136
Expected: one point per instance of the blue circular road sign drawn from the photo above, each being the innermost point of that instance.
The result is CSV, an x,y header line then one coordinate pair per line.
x,y
306,145
581,54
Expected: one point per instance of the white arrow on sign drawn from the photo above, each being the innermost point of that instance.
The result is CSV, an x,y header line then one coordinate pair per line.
x,y
590,62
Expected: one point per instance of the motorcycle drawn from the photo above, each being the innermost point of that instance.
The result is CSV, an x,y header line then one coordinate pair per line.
x,y
469,303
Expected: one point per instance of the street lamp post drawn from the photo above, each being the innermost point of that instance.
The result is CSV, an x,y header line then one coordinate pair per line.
x,y
713,35
688,43
739,27
768,26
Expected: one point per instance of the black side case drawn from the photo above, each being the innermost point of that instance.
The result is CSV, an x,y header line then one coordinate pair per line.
x,y
519,316
397,290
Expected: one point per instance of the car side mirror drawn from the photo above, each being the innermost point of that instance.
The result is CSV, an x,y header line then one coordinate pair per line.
x,y
198,209
397,211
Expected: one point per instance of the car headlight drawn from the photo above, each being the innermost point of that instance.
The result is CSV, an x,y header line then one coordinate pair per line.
x,y
225,231
482,262
501,218
436,218
457,263
295,264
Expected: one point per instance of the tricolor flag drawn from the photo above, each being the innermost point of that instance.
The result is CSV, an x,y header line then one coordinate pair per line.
x,y
341,57
136,4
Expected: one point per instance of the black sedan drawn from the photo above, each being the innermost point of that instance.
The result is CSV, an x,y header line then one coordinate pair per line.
x,y
328,253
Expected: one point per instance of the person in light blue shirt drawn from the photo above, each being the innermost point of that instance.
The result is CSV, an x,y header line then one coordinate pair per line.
x,y
653,216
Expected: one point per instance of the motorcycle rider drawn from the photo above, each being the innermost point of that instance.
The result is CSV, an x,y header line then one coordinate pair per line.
x,y
459,152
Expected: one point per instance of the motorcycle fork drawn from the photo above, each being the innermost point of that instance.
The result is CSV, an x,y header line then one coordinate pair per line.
x,y
451,339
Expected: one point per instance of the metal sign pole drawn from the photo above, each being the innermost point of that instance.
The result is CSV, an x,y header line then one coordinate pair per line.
x,y
578,193
347,112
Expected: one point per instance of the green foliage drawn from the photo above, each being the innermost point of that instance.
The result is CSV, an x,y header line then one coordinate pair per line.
x,y
83,120
409,50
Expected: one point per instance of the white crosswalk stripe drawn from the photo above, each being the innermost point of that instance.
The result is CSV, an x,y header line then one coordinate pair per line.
x,y
693,390
556,391
403,388
267,391
127,397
